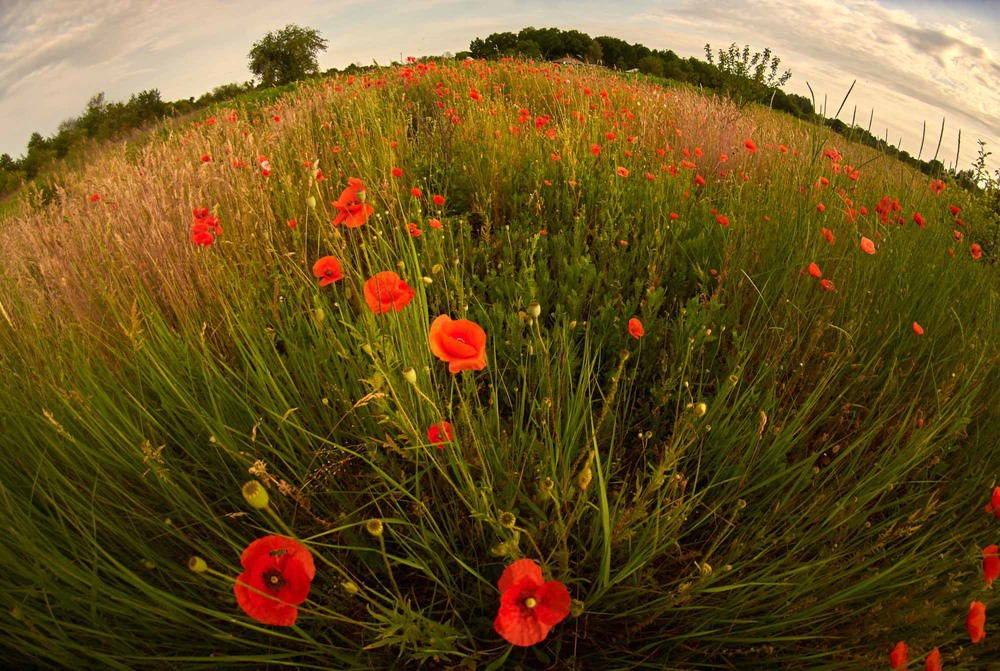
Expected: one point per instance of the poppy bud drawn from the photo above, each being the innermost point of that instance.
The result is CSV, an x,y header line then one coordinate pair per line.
x,y
410,375
311,202
375,527
255,494
350,587
197,564
576,608
584,478
436,268
700,409
361,195
319,316
428,280
534,309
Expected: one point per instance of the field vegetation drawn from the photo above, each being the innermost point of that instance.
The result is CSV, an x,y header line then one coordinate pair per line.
x,y
396,338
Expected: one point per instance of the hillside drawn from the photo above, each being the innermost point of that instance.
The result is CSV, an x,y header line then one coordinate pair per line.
x,y
728,379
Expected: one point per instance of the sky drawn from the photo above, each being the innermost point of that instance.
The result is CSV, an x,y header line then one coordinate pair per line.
x,y
915,61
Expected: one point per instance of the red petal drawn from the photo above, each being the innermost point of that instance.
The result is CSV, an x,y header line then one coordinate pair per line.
x,y
520,630
261,607
553,603
522,569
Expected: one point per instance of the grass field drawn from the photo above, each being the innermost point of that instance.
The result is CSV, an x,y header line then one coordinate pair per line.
x,y
783,463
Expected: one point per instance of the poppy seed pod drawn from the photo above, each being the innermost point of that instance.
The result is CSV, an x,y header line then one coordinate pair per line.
x,y
197,564
534,309
255,494
410,375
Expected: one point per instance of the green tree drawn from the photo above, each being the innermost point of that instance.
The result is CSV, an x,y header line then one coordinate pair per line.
x,y
651,65
748,78
286,55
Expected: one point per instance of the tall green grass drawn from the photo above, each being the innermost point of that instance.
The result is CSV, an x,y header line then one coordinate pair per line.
x,y
825,501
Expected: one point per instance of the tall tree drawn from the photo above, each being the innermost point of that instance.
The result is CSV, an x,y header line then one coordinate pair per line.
x,y
286,55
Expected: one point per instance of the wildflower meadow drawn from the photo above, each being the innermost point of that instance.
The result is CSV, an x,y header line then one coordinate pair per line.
x,y
498,365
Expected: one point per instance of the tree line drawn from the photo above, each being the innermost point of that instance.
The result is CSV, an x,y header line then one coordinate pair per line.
x,y
745,76
102,119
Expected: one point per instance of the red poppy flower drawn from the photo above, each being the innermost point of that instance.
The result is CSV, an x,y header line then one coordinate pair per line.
x,y
821,207
635,328
994,506
386,292
415,192
991,564
460,342
918,329
827,285
897,658
976,621
622,172
278,574
933,661
205,158
674,216
434,223
292,223
751,146
700,180
814,271
438,200
976,251
918,218
412,229
354,211
96,197
595,149
529,606
439,434
397,172
867,246
954,210
205,227
327,269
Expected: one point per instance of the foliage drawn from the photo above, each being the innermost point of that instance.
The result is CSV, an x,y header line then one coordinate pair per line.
x,y
746,76
286,55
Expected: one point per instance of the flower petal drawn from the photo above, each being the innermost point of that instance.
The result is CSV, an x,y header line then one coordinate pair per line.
x,y
520,570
